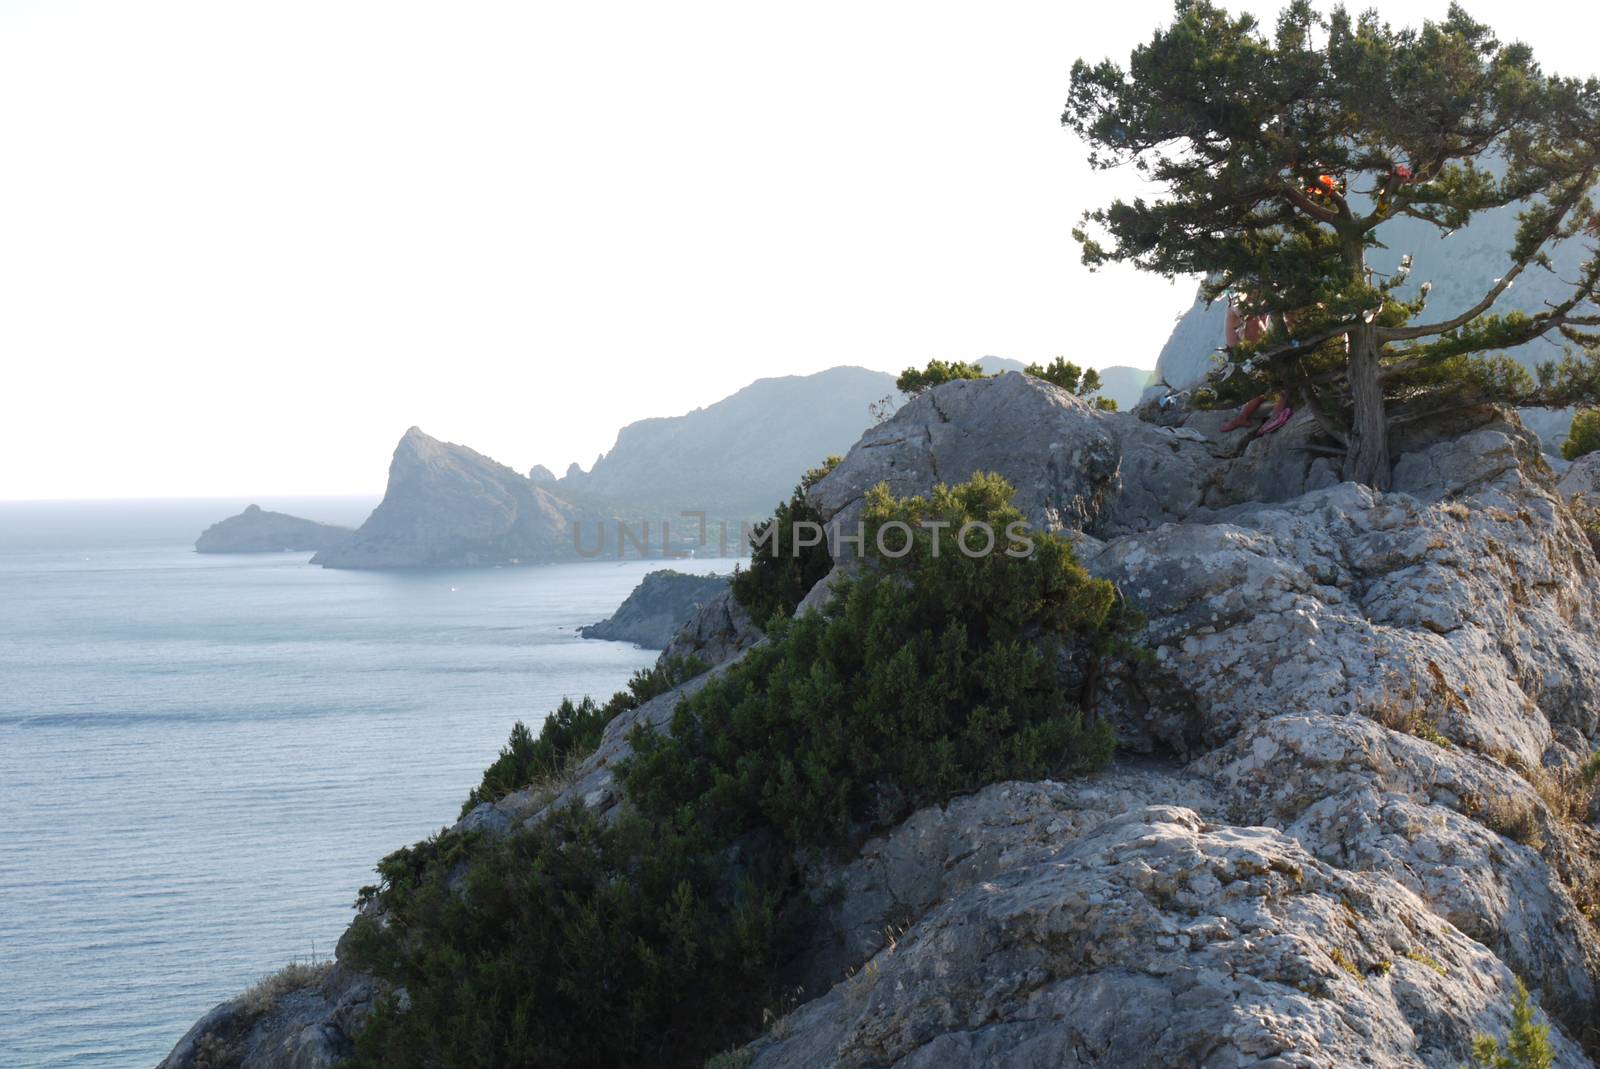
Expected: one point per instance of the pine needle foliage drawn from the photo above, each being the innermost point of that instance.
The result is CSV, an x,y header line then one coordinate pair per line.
x,y
1280,160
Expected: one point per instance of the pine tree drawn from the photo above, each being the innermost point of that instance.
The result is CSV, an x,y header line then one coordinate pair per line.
x,y
1279,158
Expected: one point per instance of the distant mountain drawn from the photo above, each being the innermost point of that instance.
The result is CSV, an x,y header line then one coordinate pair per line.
x,y
447,505
1124,385
255,530
737,458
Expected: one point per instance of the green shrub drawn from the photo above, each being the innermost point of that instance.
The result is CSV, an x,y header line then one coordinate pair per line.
x,y
781,571
1077,381
1528,1045
935,673
570,944
1584,436
656,940
571,732
912,382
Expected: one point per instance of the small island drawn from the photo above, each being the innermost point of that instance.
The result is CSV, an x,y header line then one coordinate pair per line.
x,y
256,530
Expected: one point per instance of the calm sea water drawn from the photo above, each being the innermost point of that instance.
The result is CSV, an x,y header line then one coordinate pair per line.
x,y
201,757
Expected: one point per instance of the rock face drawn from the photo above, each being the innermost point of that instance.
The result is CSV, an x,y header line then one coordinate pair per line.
x,y
256,530
1348,811
719,630
447,505
304,1027
1155,938
658,607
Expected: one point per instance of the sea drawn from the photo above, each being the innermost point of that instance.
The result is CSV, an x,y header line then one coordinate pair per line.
x,y
203,756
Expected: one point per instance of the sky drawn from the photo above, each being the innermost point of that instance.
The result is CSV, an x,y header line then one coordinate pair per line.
x,y
244,246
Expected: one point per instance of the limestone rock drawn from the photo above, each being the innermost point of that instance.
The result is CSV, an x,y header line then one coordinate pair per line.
x,y
1073,468
1159,939
661,604
447,505
256,530
719,630
1582,477
306,1027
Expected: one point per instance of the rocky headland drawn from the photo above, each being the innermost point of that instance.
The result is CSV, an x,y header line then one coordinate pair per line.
x,y
1353,802
256,530
657,609
449,506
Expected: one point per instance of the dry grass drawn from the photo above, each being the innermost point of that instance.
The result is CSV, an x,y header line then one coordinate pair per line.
x,y
1412,720
1569,795
1587,513
1341,959
212,1053
1514,818
549,784
1422,957
262,998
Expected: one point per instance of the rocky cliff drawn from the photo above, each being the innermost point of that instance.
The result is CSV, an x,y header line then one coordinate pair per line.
x,y
1354,802
657,608
447,505
255,530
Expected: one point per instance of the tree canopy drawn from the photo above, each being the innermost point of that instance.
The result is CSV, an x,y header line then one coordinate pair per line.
x,y
1281,157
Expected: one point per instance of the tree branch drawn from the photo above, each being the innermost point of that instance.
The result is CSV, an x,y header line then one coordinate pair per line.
x,y
1387,334
1300,200
1557,219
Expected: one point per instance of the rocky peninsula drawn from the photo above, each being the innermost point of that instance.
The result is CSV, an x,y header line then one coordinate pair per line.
x,y
657,609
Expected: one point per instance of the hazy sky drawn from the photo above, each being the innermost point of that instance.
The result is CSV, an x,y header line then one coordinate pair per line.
x,y
243,246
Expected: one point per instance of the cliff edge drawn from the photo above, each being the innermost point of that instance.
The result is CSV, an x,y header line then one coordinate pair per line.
x,y
1352,806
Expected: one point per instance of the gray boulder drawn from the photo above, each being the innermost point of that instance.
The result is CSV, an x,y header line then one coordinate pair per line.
x,y
1074,468
256,530
657,608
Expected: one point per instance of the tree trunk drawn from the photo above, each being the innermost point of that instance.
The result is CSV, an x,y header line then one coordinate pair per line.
x,y
1368,459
